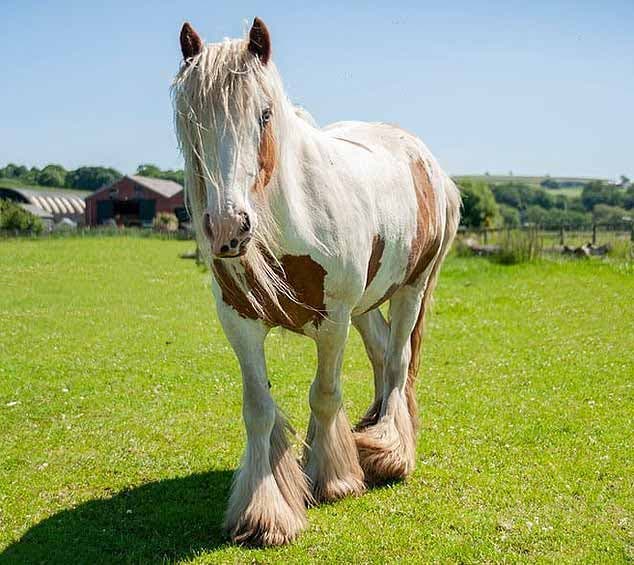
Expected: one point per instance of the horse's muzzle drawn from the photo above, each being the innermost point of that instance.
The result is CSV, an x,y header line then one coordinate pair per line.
x,y
229,235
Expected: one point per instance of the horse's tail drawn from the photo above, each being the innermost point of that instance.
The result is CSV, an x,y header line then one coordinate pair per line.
x,y
452,221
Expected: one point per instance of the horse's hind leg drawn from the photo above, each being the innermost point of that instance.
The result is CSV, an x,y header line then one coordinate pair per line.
x,y
267,501
330,458
375,332
387,446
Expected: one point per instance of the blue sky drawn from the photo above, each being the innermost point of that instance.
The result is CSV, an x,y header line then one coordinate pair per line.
x,y
530,87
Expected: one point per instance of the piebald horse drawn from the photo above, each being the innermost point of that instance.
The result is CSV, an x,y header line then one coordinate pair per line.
x,y
313,230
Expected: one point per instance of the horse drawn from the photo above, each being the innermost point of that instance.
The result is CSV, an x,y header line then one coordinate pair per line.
x,y
312,230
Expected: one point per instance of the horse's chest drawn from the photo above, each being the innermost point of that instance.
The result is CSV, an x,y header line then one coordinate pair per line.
x,y
303,276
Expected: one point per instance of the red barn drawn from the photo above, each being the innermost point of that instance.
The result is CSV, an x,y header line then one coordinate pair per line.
x,y
135,201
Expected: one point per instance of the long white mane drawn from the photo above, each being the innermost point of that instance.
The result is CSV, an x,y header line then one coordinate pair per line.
x,y
224,90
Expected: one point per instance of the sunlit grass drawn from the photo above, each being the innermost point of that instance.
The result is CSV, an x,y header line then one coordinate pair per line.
x,y
120,418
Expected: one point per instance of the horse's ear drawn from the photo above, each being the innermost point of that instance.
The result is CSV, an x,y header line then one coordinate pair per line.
x,y
260,41
191,44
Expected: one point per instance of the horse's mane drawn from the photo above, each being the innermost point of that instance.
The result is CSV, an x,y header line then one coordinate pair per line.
x,y
226,78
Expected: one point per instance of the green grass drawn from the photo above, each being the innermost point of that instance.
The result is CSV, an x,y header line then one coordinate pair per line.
x,y
120,422
16,183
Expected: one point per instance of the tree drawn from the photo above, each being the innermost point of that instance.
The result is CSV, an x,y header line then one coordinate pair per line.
x,y
628,199
561,201
556,218
536,215
541,198
510,216
148,170
479,206
91,178
52,175
508,194
151,170
609,215
597,192
30,176
13,171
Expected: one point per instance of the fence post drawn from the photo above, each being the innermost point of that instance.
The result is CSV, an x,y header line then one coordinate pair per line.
x,y
594,234
561,235
486,236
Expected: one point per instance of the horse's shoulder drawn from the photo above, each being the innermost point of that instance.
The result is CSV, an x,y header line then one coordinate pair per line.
x,y
374,134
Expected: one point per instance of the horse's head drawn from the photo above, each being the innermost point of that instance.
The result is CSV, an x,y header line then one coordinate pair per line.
x,y
225,107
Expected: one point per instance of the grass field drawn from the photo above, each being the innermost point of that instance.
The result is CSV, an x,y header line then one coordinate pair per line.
x,y
120,421
14,183
572,191
535,181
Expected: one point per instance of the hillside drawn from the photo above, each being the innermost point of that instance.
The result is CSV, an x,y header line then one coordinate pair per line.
x,y
569,186
14,183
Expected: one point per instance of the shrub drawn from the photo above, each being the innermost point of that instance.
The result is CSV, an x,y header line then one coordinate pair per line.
x,y
519,247
15,218
622,248
165,222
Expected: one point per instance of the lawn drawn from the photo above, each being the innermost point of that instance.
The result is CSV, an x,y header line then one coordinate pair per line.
x,y
120,422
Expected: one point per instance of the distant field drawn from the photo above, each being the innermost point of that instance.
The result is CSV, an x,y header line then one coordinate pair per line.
x,y
121,424
12,183
575,190
572,191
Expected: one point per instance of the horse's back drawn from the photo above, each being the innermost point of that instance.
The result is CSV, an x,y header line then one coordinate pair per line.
x,y
409,193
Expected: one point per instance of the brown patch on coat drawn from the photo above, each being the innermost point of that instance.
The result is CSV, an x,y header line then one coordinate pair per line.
x,y
302,274
267,158
415,340
427,239
388,294
378,246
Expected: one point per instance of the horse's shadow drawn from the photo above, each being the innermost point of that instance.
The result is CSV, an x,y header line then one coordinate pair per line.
x,y
161,521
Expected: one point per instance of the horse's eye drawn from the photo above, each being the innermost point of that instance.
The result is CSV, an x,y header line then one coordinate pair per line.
x,y
265,117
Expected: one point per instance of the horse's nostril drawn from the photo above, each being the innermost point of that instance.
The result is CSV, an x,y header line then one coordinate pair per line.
x,y
245,226
233,242
224,249
207,225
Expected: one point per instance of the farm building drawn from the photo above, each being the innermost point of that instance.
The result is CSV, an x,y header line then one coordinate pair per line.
x,y
135,201
51,206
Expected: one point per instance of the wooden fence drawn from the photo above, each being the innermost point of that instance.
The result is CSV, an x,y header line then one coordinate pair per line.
x,y
562,235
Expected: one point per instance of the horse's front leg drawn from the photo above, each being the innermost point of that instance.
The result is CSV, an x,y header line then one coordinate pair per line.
x,y
330,459
267,501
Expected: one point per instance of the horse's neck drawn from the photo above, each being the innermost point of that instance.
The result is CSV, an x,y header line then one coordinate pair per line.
x,y
294,204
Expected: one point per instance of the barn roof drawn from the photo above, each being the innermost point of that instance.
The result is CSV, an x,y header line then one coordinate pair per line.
x,y
36,211
64,202
165,188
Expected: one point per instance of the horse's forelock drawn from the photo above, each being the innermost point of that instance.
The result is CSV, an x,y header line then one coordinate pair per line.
x,y
228,77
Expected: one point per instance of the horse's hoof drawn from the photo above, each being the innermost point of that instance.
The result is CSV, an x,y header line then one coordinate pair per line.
x,y
261,533
384,455
336,489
